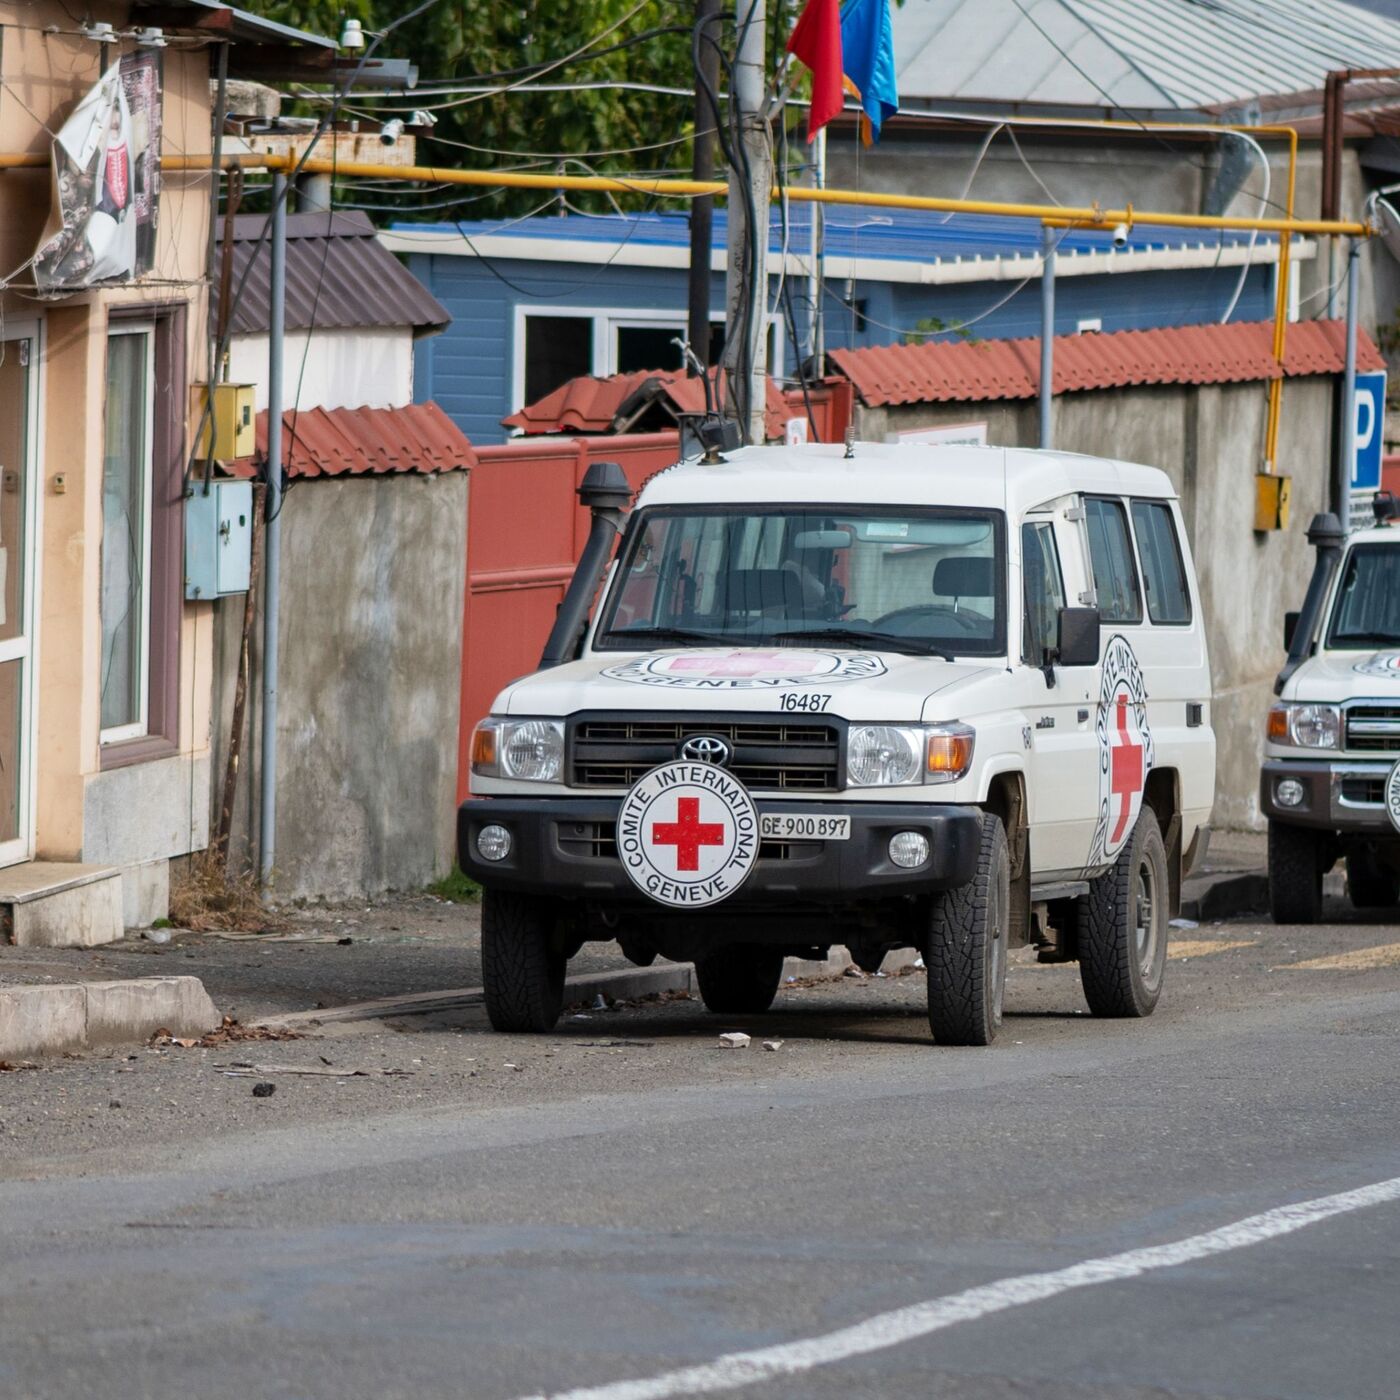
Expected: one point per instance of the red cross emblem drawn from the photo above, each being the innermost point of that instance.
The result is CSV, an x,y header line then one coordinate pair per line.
x,y
687,833
741,663
1126,775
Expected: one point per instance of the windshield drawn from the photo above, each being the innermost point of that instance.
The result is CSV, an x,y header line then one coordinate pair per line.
x,y
917,581
1366,612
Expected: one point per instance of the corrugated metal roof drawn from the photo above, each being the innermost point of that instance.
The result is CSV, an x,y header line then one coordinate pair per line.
x,y
418,438
338,275
613,403
242,24
969,371
1169,54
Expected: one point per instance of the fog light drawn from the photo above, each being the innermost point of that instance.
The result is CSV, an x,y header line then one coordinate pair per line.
x,y
909,849
1288,792
493,843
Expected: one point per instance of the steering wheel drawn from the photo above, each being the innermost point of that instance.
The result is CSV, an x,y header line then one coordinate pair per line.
x,y
904,621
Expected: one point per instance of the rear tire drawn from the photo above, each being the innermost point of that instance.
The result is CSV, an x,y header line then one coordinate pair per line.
x,y
1371,884
967,945
1122,925
741,980
522,961
1295,874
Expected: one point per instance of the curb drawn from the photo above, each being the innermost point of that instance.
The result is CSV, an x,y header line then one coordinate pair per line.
x,y
1222,896
50,1019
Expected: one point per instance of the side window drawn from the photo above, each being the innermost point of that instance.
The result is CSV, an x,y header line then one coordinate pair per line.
x,y
1045,588
1163,572
1111,553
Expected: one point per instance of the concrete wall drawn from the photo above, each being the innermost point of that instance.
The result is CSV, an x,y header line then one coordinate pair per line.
x,y
1209,440
373,581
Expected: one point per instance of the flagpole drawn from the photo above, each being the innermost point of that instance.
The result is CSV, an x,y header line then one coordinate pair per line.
x,y
817,273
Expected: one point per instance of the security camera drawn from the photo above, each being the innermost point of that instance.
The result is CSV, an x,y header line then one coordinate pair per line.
x,y
390,132
1120,235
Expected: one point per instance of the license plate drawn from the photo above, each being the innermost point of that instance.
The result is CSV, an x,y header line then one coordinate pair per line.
x,y
803,826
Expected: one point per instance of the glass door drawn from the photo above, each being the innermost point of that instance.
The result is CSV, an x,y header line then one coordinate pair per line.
x,y
19,364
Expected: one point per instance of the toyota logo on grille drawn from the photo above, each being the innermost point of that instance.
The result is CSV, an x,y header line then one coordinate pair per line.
x,y
705,748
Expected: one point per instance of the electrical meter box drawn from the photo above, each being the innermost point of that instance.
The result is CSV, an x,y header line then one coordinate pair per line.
x,y
231,421
218,539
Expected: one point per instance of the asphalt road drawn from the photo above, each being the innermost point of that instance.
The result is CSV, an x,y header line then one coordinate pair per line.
x,y
624,1200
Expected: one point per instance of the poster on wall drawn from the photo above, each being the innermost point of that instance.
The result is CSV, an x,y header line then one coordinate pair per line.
x,y
106,177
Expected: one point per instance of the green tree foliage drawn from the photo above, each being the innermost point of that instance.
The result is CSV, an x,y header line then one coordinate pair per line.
x,y
608,129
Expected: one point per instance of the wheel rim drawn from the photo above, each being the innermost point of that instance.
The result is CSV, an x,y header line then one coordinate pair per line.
x,y
1145,903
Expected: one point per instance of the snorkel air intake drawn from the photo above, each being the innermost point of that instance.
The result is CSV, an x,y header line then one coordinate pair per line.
x,y
1326,535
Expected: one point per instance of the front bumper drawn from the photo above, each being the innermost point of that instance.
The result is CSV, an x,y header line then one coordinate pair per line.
x,y
1338,794
565,847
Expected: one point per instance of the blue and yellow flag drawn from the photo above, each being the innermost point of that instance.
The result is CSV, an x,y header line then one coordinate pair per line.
x,y
867,58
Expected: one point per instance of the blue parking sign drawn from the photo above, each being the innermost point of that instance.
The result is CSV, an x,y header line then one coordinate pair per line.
x,y
1369,408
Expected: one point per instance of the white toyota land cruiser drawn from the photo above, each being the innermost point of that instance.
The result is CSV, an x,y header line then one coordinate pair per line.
x,y
1330,785
948,698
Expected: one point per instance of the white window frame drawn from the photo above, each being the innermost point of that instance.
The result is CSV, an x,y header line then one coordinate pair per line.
x,y
25,648
138,728
607,321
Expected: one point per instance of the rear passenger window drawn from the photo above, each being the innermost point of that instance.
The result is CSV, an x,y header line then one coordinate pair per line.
x,y
1163,572
1111,553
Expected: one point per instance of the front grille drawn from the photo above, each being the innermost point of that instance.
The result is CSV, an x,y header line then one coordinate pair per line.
x,y
767,755
599,839
1373,729
1364,791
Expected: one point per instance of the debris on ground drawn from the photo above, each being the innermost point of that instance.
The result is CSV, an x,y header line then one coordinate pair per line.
x,y
264,1091
772,1044
600,1003
854,972
243,1069
231,1032
1183,923
157,935
13,1067
734,1040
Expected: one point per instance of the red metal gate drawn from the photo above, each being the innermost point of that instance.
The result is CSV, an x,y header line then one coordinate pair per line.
x,y
525,531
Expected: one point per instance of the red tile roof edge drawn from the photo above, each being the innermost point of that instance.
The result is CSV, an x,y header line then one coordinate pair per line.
x,y
973,371
418,439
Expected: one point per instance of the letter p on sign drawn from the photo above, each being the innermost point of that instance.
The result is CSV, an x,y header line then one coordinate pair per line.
x,y
1369,408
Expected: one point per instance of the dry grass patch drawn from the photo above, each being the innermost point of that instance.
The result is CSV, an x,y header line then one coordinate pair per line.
x,y
204,897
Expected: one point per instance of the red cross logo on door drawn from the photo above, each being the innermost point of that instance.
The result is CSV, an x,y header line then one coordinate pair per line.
x,y
1126,775
687,833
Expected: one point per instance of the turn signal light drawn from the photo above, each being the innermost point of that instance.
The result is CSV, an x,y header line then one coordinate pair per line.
x,y
949,754
1278,725
483,747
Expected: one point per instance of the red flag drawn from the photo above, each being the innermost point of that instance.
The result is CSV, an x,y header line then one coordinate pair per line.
x,y
816,41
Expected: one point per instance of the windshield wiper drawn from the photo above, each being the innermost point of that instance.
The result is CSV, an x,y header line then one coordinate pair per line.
x,y
911,645
651,635
1388,639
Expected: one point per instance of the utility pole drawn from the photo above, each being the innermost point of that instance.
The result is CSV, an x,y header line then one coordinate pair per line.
x,y
750,187
272,537
702,167
1047,336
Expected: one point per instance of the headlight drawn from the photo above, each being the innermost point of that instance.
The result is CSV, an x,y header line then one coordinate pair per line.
x,y
1306,726
530,750
896,755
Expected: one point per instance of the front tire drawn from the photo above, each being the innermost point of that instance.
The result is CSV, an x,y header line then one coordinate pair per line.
x,y
1295,874
1123,924
741,980
967,945
1370,883
522,962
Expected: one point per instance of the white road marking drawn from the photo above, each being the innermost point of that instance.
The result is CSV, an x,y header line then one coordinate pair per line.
x,y
889,1329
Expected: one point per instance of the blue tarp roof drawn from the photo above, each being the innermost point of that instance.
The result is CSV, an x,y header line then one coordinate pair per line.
x,y
898,235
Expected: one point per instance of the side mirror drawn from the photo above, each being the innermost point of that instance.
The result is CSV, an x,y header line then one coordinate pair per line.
x,y
1078,637
1290,629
